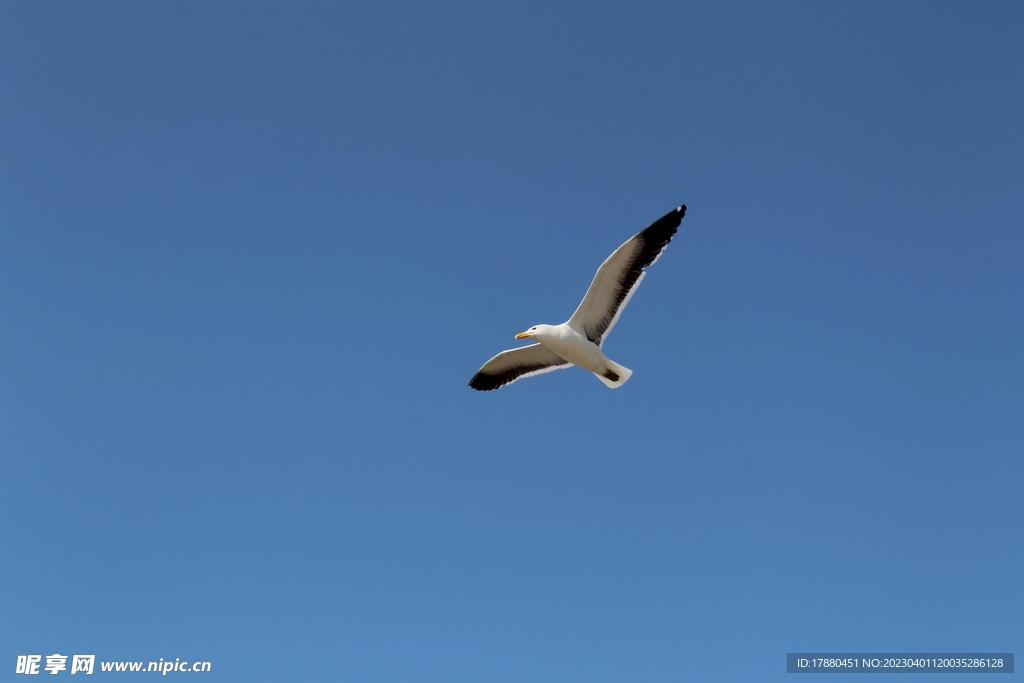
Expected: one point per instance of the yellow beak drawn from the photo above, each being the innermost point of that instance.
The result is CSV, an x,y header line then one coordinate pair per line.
x,y
522,335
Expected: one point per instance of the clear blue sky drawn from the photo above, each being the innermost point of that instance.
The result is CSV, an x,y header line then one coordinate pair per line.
x,y
251,254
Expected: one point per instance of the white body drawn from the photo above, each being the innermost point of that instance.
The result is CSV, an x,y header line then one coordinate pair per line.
x,y
574,347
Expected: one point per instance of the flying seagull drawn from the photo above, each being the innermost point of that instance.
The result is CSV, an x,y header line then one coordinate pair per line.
x,y
578,340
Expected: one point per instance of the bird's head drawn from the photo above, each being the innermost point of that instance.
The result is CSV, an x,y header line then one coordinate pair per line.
x,y
535,332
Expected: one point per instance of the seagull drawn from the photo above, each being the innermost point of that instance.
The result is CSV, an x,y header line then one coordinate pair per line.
x,y
578,340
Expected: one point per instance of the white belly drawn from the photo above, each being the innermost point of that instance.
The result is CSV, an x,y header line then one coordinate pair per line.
x,y
578,350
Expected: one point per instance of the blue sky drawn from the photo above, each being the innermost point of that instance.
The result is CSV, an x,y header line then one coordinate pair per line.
x,y
251,254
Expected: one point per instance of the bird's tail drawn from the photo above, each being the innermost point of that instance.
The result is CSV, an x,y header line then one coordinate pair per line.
x,y
615,375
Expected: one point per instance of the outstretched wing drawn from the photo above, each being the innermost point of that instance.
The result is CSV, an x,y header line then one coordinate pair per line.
x,y
508,366
620,275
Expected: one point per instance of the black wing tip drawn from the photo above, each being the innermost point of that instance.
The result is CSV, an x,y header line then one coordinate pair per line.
x,y
484,382
660,232
670,221
675,217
